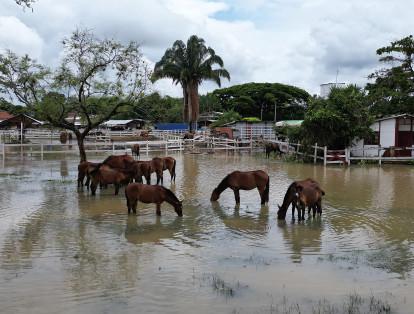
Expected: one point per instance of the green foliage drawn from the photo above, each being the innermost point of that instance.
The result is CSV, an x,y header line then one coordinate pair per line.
x,y
336,121
392,91
250,99
226,117
12,109
294,134
251,119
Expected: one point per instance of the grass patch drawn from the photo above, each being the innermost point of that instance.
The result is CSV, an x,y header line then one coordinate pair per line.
x,y
220,286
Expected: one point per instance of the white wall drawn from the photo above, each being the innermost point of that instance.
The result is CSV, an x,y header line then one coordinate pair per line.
x,y
387,133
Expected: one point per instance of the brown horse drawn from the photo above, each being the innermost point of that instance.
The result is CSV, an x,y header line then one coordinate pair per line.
x,y
135,192
83,171
157,166
238,180
103,174
142,169
135,150
119,161
292,197
272,147
169,164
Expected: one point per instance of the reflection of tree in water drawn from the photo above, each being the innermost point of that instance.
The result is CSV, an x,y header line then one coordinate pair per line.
x,y
189,177
258,225
302,238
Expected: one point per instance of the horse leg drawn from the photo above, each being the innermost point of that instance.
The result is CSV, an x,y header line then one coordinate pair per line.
x,y
148,179
134,206
88,181
117,188
237,196
262,195
293,211
93,187
128,205
158,209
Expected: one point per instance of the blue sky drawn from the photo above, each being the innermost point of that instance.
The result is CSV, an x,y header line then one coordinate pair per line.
x,y
297,42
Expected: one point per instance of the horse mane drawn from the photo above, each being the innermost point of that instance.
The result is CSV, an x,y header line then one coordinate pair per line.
x,y
287,199
94,171
223,184
170,194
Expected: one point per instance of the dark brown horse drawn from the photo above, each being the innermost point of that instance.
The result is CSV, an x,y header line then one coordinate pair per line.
x,y
135,150
104,175
272,147
84,169
238,180
169,164
142,169
157,166
119,161
292,197
135,192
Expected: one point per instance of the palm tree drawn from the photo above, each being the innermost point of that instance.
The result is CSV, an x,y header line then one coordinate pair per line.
x,y
189,65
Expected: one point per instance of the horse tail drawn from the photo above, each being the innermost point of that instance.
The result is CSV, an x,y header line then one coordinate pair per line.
x,y
266,194
94,171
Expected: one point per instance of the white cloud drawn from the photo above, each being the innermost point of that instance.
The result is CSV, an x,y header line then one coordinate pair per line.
x,y
298,42
17,37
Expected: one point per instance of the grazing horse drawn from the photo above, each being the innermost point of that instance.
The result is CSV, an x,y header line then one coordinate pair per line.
x,y
292,197
84,169
119,162
103,174
188,136
272,147
135,192
169,164
135,150
238,180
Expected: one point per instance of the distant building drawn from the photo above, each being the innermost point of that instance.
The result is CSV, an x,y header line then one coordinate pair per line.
x,y
75,119
326,88
207,118
289,123
394,133
4,115
171,126
119,125
247,129
21,121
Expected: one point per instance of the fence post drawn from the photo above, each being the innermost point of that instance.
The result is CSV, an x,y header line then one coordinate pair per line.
x,y
147,147
41,151
325,152
346,156
113,148
4,152
315,153
379,156
166,147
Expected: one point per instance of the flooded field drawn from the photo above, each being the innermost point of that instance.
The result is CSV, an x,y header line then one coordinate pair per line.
x,y
62,250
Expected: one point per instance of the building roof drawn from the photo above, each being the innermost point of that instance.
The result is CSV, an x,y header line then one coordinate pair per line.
x,y
403,115
289,123
4,115
24,119
120,122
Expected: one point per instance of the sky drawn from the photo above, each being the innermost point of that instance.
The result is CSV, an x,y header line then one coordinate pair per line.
x,y
303,43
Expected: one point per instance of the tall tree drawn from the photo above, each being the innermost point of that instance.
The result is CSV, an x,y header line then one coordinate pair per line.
x,y
392,91
91,69
25,3
189,65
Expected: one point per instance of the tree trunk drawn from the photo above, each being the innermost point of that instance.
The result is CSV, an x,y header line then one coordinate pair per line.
x,y
80,137
190,107
194,103
185,108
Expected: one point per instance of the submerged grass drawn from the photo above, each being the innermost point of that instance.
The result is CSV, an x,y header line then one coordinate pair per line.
x,y
220,286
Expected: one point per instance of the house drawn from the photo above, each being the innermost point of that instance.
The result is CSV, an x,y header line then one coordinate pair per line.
x,y
74,118
4,115
120,125
394,134
207,118
289,123
21,121
245,130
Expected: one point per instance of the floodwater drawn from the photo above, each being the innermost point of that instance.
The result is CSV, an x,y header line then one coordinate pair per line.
x,y
62,250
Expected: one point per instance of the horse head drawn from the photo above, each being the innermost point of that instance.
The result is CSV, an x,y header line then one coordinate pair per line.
x,y
281,213
214,196
178,207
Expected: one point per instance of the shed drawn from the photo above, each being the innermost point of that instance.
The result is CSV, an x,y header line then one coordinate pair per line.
x,y
131,124
393,132
171,126
4,115
21,121
289,123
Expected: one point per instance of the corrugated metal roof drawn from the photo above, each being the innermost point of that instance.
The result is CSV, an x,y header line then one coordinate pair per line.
x,y
289,123
403,115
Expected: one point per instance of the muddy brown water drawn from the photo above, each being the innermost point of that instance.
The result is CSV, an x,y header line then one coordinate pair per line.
x,y
62,250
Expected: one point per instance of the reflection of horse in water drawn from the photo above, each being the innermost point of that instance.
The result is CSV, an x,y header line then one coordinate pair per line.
x,y
248,180
302,194
302,239
258,225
